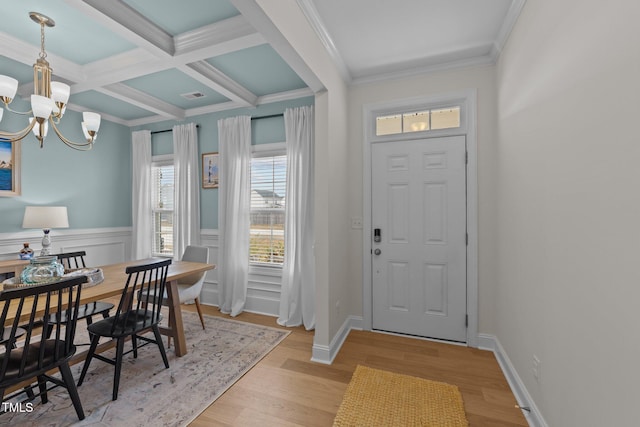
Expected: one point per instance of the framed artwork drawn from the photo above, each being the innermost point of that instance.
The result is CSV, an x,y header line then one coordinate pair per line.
x,y
9,168
210,174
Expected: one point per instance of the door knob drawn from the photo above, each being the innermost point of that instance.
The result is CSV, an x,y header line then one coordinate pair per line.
x,y
377,252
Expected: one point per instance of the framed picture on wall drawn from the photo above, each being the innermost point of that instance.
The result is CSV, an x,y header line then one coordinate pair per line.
x,y
210,170
9,168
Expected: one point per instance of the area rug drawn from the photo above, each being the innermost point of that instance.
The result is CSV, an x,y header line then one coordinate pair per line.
x,y
382,398
149,394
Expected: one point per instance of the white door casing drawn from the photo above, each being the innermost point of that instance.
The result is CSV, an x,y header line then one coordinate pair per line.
x,y
467,99
419,264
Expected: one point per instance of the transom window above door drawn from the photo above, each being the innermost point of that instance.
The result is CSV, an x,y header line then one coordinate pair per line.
x,y
418,121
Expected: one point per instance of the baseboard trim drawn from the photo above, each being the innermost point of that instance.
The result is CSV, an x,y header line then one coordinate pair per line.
x,y
491,343
325,354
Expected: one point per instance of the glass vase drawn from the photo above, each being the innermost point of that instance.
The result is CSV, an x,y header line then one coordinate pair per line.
x,y
42,269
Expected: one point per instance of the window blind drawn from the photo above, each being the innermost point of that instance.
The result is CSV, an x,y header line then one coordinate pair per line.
x,y
162,182
268,186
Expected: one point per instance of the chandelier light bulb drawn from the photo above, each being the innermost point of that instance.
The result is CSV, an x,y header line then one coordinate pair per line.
x,y
91,121
41,106
60,92
8,88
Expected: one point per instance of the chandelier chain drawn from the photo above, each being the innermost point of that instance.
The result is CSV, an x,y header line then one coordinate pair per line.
x,y
43,53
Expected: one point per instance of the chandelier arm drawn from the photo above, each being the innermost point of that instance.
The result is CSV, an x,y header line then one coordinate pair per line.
x,y
17,136
75,145
25,113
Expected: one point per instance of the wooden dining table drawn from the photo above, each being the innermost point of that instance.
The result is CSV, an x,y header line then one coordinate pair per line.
x,y
115,278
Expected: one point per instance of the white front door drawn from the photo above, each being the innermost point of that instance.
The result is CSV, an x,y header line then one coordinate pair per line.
x,y
419,264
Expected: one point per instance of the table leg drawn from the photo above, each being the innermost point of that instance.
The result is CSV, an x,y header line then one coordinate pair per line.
x,y
175,314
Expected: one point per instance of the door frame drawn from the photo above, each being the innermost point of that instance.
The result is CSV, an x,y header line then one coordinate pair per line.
x,y
468,127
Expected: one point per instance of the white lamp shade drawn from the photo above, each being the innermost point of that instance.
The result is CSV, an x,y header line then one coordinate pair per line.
x,y
91,121
36,128
86,134
60,92
41,106
8,86
45,217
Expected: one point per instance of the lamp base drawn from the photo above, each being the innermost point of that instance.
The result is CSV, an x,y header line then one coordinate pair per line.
x,y
46,243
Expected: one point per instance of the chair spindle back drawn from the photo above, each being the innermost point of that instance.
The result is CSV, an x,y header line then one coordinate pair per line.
x,y
24,303
72,259
141,300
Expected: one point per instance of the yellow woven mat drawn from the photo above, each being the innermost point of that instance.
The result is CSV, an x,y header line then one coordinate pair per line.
x,y
381,398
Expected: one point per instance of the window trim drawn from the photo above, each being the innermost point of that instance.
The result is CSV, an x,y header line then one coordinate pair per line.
x,y
258,151
160,161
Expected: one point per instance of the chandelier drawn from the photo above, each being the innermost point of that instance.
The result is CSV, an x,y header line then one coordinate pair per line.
x,y
48,101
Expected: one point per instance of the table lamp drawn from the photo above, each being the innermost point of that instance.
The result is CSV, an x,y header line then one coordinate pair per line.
x,y
46,218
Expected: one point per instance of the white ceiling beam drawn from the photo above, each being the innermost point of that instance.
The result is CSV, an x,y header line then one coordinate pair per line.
x,y
27,54
128,23
203,43
261,22
210,76
142,100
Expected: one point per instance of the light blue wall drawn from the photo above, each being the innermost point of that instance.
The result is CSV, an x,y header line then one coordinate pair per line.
x,y
94,185
263,131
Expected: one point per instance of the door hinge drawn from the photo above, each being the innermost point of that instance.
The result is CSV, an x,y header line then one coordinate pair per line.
x,y
466,157
466,320
466,239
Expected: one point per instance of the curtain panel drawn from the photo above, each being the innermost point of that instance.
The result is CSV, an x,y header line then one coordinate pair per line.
x,y
142,223
186,221
297,299
234,146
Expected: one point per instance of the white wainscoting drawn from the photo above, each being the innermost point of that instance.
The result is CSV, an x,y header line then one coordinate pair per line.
x,y
103,245
112,245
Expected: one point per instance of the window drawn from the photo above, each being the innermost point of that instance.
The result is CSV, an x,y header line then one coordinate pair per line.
x,y
418,121
162,184
268,185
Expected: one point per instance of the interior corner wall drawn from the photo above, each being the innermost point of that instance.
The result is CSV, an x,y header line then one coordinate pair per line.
x,y
568,283
481,78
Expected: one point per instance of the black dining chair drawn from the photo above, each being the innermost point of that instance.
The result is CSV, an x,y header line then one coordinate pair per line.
x,y
138,312
75,260
33,355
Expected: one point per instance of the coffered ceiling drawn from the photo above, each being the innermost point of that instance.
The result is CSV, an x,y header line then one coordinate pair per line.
x,y
143,61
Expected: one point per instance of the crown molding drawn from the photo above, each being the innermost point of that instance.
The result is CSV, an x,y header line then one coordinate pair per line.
x,y
312,15
507,25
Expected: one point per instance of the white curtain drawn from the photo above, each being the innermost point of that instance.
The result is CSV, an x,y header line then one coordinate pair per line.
x,y
234,142
186,211
297,299
141,194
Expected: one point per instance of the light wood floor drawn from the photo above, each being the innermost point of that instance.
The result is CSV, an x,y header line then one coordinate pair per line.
x,y
287,389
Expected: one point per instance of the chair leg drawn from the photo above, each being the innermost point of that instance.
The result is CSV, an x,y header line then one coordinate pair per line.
x,y
67,377
169,323
156,332
42,385
29,392
87,361
116,375
197,300
134,342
